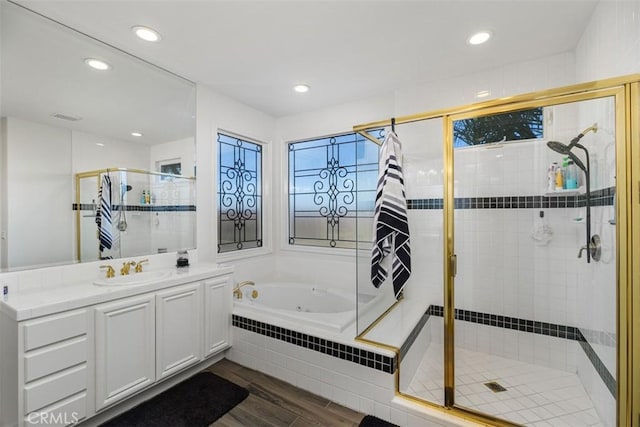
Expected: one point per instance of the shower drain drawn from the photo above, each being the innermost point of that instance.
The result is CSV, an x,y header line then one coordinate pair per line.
x,y
495,387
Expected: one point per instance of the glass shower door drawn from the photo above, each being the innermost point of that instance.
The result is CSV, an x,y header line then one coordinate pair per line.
x,y
411,325
535,315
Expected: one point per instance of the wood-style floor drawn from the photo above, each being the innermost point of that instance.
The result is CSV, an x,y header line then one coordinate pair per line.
x,y
272,402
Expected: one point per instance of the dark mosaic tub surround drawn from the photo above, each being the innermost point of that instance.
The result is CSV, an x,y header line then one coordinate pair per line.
x,y
362,357
602,197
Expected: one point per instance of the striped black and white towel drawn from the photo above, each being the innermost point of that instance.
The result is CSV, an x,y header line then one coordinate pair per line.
x,y
391,227
103,214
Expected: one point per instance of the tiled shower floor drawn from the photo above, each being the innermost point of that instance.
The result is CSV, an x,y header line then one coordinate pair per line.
x,y
535,395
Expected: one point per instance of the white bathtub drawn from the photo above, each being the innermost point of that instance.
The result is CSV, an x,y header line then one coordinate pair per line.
x,y
325,308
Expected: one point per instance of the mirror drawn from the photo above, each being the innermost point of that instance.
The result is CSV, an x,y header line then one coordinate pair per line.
x,y
61,118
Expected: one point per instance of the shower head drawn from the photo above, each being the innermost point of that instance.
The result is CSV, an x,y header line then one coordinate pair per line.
x,y
558,147
564,149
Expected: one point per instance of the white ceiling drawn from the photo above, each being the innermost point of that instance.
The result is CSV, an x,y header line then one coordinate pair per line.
x,y
255,51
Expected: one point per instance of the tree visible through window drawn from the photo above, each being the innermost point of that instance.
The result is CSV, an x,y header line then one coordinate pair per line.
x,y
332,185
511,126
239,194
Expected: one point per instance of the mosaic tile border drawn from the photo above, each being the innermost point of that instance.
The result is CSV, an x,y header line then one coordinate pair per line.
x,y
522,325
601,369
362,357
602,197
606,339
404,349
138,208
531,326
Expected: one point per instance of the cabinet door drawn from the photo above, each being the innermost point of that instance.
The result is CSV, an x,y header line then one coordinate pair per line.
x,y
217,309
178,328
125,348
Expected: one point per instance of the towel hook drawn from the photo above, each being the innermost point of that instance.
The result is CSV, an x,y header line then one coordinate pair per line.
x,y
393,124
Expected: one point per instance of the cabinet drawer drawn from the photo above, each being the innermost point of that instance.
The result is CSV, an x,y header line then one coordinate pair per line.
x,y
56,387
54,358
41,332
64,413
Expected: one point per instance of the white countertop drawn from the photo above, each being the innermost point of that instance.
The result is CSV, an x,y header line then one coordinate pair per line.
x,y
81,293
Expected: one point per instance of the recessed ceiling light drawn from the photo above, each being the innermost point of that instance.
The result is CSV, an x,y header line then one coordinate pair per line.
x,y
301,88
97,64
482,93
146,33
99,144
136,134
479,37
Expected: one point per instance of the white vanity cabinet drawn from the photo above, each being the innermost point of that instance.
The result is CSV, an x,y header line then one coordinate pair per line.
x,y
62,367
217,317
46,369
178,328
125,348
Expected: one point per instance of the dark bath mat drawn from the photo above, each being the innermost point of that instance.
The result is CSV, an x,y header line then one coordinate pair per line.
x,y
197,401
371,421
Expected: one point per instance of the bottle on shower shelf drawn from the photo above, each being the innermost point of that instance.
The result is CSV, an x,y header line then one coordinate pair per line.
x,y
551,177
559,181
571,176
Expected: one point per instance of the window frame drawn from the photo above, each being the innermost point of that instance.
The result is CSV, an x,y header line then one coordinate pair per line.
x,y
266,233
543,129
285,202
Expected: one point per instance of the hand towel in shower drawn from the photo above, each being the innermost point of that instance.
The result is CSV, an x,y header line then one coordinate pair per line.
x,y
391,227
103,214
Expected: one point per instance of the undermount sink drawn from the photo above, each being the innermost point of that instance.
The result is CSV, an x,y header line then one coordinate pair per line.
x,y
134,278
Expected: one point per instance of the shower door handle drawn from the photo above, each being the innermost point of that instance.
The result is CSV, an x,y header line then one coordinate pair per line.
x,y
453,265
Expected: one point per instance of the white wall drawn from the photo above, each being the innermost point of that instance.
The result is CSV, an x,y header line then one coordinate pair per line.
x,y
217,112
38,194
3,189
609,47
182,150
114,153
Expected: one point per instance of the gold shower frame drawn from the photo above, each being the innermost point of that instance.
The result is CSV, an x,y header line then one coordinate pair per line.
x,y
626,93
96,174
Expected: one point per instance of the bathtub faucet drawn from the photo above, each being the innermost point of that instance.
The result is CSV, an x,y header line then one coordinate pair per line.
x,y
237,293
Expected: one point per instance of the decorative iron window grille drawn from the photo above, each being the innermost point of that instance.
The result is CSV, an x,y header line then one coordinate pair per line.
x,y
504,127
239,194
332,189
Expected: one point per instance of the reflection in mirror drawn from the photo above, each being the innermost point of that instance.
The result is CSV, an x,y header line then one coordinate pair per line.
x,y
135,213
61,118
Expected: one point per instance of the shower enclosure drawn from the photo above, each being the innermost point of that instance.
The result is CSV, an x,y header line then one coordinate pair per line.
x,y
151,212
504,319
